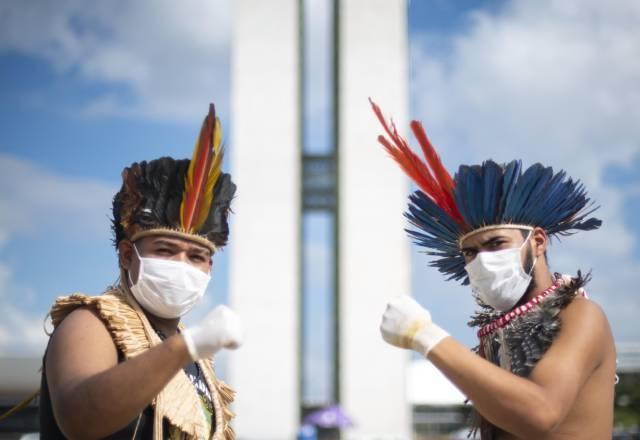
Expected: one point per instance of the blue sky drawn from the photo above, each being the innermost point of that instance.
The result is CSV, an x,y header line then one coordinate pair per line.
x,y
545,81
86,92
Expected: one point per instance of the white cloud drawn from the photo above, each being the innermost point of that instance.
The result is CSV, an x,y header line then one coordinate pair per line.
x,y
172,57
549,81
36,201
20,332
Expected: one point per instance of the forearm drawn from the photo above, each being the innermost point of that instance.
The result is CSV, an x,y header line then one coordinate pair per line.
x,y
108,401
510,402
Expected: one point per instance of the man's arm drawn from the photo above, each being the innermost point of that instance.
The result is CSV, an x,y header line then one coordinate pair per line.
x,y
531,407
92,394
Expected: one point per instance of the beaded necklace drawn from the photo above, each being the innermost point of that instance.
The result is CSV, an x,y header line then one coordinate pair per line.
x,y
503,320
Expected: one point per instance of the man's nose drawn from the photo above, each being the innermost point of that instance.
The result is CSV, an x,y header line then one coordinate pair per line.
x,y
181,256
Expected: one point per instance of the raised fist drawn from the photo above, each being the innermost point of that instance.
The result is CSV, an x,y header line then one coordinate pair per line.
x,y
406,324
221,328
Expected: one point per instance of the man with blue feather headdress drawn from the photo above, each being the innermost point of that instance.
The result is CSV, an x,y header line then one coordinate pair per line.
x,y
545,364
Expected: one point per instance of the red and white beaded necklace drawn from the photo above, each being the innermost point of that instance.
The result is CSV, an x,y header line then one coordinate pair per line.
x,y
503,320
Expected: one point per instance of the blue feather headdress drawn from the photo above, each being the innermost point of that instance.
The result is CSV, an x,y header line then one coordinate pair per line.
x,y
445,210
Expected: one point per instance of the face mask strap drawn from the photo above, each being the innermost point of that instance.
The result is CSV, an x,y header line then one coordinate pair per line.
x,y
532,266
526,239
141,263
536,258
129,276
136,249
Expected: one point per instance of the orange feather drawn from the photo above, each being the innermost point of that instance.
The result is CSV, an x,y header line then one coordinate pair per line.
x,y
442,176
431,177
204,170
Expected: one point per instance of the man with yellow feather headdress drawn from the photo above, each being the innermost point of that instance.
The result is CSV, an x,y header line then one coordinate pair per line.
x,y
120,365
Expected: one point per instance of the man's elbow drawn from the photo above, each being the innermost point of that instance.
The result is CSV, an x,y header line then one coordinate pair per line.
x,y
70,412
544,420
78,427
74,425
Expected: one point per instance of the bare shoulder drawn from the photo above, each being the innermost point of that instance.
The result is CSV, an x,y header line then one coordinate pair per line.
x,y
585,327
583,313
80,325
80,346
583,343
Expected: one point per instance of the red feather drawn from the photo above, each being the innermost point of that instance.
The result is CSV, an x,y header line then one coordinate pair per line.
x,y
198,172
435,163
431,177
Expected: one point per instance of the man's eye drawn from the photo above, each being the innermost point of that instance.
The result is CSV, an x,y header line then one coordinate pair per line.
x,y
469,254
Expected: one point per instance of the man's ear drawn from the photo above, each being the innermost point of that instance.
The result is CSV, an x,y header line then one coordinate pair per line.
x,y
125,253
540,241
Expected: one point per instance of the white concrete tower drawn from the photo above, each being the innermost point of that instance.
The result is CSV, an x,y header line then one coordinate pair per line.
x,y
373,258
265,160
374,250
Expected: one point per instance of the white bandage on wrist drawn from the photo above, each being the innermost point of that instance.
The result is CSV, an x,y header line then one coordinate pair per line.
x,y
406,324
426,339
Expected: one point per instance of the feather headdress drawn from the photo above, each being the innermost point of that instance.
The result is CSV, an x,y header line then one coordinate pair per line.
x,y
185,198
202,174
444,210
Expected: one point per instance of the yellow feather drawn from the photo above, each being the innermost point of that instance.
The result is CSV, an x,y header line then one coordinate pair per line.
x,y
208,194
214,174
217,136
188,178
203,200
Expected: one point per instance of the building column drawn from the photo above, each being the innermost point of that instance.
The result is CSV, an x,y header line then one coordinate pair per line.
x,y
375,255
264,264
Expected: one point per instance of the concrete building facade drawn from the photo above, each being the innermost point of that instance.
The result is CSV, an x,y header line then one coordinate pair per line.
x,y
373,260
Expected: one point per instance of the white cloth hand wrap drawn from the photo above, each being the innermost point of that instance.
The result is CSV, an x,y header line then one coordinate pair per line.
x,y
221,328
406,324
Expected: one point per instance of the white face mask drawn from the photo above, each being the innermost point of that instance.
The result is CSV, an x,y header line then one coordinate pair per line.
x,y
498,278
166,288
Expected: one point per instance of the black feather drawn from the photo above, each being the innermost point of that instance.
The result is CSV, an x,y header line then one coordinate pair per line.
x,y
159,188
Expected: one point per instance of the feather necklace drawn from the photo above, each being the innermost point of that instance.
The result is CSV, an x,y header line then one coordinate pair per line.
x,y
517,340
